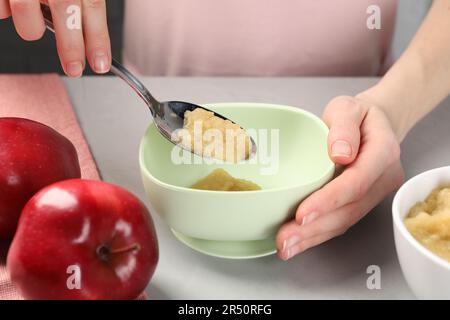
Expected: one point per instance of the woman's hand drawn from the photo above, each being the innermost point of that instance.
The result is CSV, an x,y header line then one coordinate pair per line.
x,y
74,44
361,139
364,137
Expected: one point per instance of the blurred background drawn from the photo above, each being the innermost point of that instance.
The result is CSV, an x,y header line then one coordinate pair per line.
x,y
18,56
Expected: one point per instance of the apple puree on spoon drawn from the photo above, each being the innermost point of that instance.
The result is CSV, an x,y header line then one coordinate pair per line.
x,y
213,137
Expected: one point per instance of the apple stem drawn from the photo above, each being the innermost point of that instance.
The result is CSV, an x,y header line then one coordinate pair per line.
x,y
132,247
104,252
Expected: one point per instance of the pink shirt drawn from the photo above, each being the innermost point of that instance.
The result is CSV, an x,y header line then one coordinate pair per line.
x,y
256,37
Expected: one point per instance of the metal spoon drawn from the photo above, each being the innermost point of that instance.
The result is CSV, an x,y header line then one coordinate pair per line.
x,y
168,116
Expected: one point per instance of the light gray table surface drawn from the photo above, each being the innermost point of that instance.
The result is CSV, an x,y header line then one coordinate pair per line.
x,y
114,119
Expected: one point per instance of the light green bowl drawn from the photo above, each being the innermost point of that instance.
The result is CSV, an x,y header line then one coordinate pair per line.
x,y
304,166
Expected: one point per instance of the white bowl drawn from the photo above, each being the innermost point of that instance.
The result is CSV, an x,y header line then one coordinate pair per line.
x,y
427,274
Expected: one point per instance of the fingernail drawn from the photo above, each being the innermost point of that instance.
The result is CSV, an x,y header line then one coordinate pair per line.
x,y
341,148
309,218
288,244
288,254
74,69
101,62
284,246
291,242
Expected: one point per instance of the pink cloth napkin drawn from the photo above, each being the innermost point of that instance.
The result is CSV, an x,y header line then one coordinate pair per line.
x,y
42,98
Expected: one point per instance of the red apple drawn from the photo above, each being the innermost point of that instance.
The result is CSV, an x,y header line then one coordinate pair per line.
x,y
32,156
81,239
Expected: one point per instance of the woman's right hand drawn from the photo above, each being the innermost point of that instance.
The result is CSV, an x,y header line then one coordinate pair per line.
x,y
90,40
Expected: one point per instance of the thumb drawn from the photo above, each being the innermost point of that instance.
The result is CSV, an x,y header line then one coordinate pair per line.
x,y
344,116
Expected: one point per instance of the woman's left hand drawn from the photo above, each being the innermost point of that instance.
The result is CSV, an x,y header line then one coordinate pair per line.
x,y
361,138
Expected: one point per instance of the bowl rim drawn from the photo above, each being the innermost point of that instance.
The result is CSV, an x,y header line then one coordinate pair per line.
x,y
400,225
329,170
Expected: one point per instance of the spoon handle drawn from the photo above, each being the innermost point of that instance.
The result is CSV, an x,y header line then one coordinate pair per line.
x,y
119,70
116,68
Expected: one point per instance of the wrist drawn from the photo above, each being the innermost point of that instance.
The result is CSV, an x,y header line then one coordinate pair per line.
x,y
399,117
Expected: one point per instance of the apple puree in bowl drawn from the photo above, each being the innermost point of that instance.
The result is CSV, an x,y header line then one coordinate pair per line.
x,y
220,180
429,222
208,135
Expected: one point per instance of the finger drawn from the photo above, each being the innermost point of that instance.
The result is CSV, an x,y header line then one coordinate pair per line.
x,y
69,35
344,116
348,215
308,243
375,155
337,222
5,11
98,47
28,19
291,233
